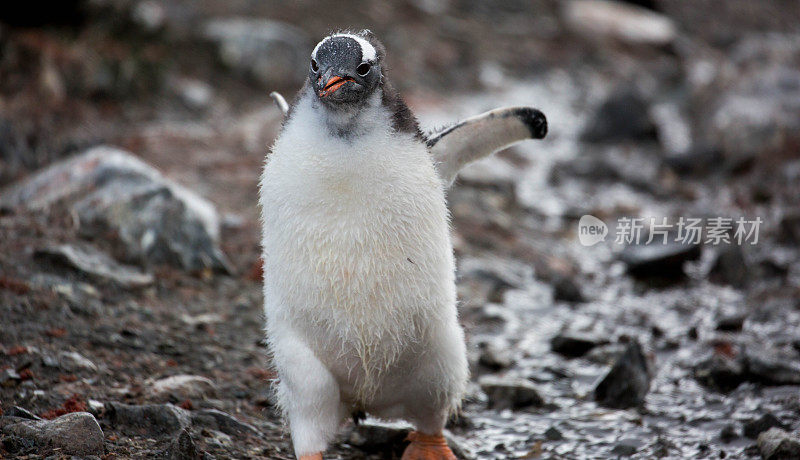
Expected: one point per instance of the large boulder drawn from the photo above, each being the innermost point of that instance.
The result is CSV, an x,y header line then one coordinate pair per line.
x,y
77,433
510,393
153,420
627,382
151,219
727,367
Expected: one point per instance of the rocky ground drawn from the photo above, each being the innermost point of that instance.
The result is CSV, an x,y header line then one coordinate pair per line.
x,y
131,140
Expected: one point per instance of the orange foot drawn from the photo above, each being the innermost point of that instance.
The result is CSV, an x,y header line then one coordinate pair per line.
x,y
427,447
317,456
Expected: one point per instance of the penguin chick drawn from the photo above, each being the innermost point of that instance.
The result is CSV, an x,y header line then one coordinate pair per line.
x,y
359,282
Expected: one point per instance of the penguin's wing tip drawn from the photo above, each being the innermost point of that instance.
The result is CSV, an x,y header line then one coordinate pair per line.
x,y
534,119
280,102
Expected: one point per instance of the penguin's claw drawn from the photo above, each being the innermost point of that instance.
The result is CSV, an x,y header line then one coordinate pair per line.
x,y
427,447
317,456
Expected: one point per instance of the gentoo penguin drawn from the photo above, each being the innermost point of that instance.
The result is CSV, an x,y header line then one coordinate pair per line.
x,y
359,282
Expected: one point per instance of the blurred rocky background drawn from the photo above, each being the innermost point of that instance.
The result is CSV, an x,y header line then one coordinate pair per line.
x,y
132,134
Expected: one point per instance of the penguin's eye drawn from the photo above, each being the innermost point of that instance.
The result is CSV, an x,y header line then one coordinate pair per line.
x,y
314,66
363,69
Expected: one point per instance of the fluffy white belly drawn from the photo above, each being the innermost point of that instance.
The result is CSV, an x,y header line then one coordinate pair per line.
x,y
358,259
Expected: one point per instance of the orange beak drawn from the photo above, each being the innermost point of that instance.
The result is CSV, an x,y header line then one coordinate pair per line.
x,y
333,84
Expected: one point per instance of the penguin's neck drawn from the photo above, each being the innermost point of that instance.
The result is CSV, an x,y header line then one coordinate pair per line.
x,y
350,122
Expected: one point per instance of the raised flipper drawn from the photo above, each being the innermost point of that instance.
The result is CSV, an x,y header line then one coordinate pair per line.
x,y
480,136
280,102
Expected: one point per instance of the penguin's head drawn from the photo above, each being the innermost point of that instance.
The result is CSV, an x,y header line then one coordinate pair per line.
x,y
345,69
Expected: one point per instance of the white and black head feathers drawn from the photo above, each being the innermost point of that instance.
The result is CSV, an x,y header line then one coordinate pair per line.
x,y
347,72
345,69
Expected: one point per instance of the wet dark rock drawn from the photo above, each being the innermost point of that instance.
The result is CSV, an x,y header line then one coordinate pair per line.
x,y
755,427
728,433
732,322
151,419
656,260
218,420
553,434
721,372
77,433
724,371
730,266
181,387
271,53
772,367
93,263
507,393
790,226
628,381
623,116
567,290
696,161
573,345
626,447
150,219
181,448
777,444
